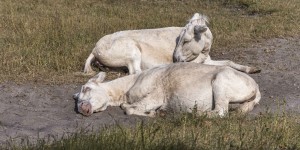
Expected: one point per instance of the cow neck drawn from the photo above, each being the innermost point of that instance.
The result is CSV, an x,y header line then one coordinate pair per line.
x,y
116,89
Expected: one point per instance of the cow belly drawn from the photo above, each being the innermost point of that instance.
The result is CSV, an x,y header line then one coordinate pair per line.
x,y
199,99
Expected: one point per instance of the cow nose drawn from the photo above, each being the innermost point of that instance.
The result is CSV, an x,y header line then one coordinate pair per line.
x,y
86,108
176,59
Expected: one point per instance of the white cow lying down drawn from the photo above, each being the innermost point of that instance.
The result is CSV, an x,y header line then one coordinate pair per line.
x,y
175,87
143,49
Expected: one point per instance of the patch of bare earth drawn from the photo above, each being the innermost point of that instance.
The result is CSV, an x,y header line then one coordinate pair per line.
x,y
37,111
279,80
31,111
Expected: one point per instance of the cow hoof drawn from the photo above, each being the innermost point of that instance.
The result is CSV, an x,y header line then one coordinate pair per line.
x,y
123,106
254,70
129,111
215,114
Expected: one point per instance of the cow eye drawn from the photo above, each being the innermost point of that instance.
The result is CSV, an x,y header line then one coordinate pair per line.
x,y
86,89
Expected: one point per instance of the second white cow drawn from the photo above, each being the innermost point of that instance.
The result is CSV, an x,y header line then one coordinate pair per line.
x,y
143,49
175,87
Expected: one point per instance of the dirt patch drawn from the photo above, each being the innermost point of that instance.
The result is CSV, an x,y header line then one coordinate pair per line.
x,y
36,111
279,80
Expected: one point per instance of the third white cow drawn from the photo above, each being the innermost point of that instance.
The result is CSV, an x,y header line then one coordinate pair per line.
x,y
143,49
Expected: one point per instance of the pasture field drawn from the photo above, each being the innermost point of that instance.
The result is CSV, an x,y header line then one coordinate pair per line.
x,y
188,132
43,43
48,41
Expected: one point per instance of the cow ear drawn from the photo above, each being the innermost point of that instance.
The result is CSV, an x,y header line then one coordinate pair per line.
x,y
98,78
206,19
196,16
76,96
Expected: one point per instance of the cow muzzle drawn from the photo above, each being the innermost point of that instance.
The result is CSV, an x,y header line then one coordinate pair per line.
x,y
177,59
85,108
177,55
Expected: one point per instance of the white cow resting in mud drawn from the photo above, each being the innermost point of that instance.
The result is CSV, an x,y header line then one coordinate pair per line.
x,y
175,87
143,49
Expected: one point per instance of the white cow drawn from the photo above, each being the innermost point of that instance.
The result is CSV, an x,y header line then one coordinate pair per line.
x,y
177,87
143,49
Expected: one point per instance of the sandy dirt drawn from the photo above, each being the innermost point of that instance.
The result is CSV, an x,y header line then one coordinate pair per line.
x,y
35,111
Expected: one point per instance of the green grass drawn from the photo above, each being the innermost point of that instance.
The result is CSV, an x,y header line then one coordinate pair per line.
x,y
49,40
188,132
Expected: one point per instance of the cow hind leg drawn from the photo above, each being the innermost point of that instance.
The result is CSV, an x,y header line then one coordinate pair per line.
x,y
220,100
249,105
230,86
221,104
135,66
131,54
224,91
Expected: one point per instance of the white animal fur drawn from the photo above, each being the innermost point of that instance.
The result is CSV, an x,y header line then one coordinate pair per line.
x,y
175,87
143,49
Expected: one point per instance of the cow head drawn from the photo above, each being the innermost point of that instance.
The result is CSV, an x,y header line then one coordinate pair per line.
x,y
187,47
92,96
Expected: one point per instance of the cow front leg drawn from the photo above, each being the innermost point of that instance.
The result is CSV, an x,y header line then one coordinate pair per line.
x,y
233,65
137,110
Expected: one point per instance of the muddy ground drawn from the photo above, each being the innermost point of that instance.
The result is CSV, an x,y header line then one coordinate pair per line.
x,y
35,111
